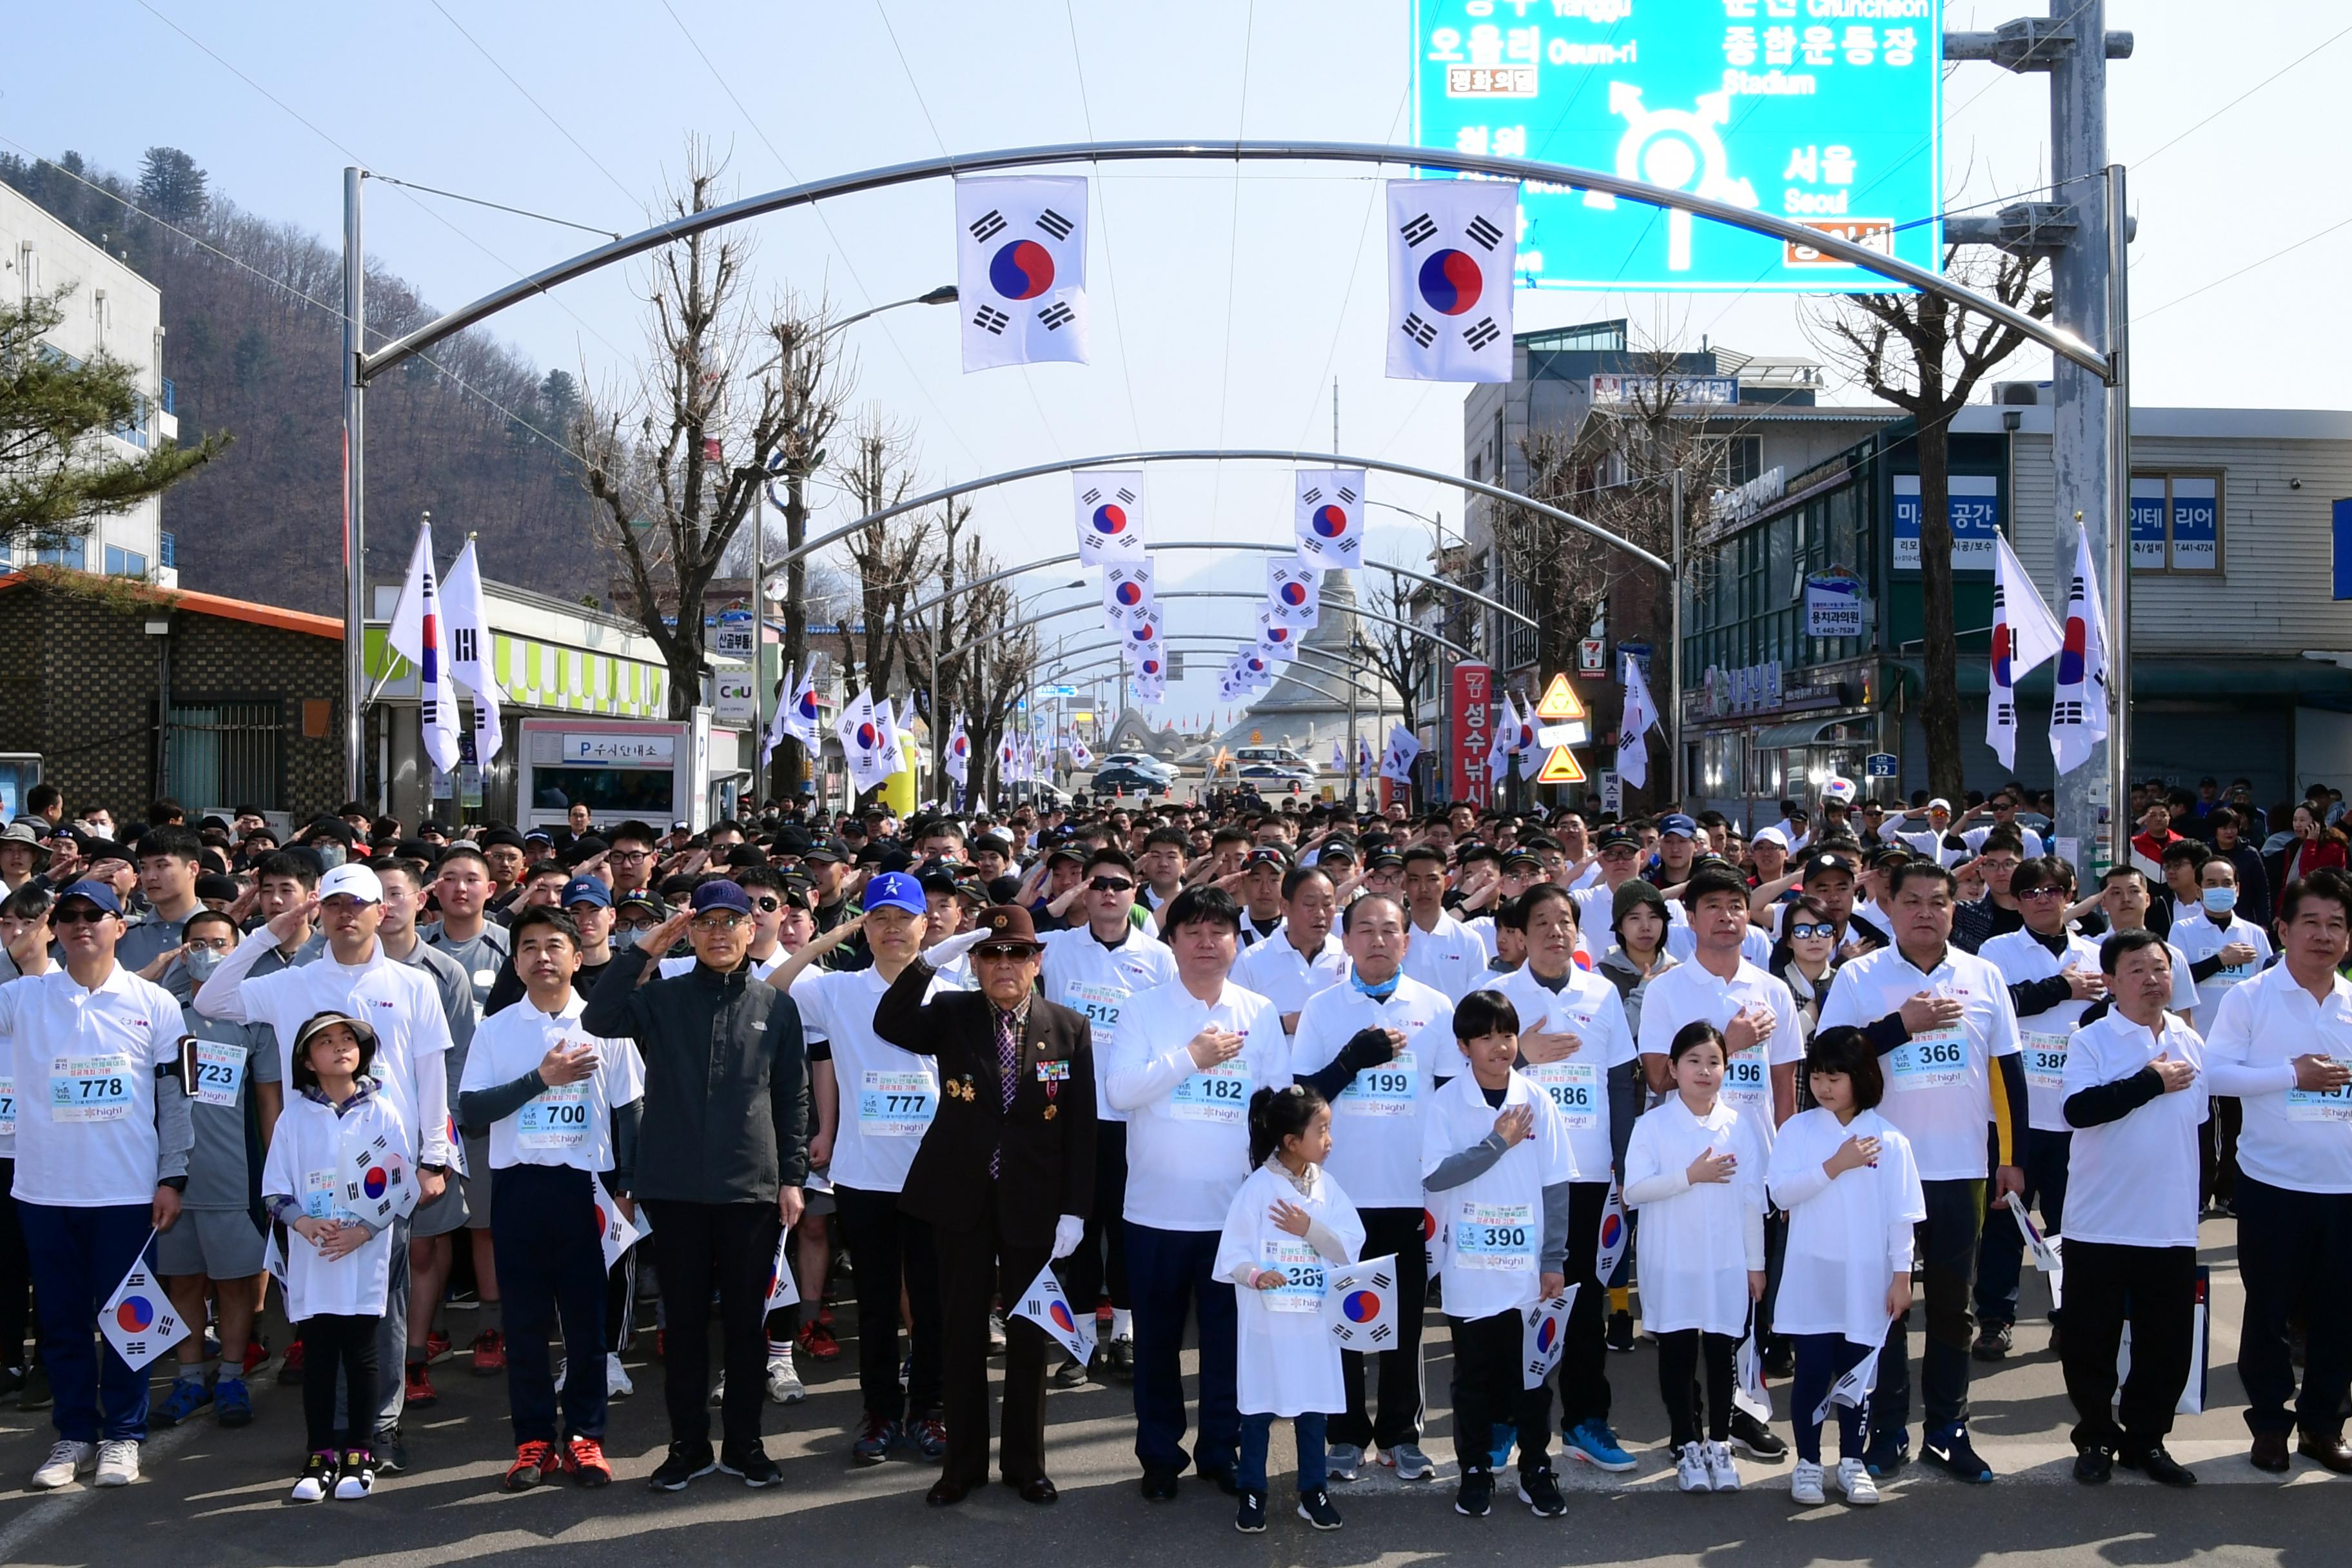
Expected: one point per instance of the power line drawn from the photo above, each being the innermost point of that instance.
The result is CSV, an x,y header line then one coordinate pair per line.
x,y
2241,98
2138,316
1372,205
533,101
498,206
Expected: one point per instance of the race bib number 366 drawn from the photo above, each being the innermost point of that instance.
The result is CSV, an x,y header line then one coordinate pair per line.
x,y
1936,1060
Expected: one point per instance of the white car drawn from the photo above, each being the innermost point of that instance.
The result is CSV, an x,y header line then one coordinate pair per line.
x,y
1281,757
1141,762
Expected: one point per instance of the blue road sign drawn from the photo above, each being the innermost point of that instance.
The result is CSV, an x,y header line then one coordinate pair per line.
x,y
1824,112
1879,766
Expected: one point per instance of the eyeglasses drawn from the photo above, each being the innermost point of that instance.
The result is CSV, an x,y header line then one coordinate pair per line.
x,y
87,915
630,855
2049,890
210,944
716,920
1811,929
1111,885
623,928
1000,953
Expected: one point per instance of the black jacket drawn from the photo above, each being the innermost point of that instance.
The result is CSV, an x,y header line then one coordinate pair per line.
x,y
727,1082
1046,1139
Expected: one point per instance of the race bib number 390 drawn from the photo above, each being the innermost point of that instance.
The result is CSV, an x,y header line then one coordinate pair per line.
x,y
90,1088
1220,1094
1496,1238
1936,1060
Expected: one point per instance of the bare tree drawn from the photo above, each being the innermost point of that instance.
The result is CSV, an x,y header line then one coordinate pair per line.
x,y
680,460
892,557
1402,657
1926,356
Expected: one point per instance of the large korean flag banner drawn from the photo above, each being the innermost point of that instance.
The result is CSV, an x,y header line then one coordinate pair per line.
x,y
1451,248
1020,270
1276,638
1328,514
1110,515
1294,590
1127,591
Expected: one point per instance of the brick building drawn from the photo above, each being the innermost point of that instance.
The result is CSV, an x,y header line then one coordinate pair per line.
x,y
126,692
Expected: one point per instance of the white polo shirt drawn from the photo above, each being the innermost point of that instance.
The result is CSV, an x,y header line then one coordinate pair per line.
x,y
1278,972
2201,937
1376,1120
1939,1084
1489,1241
1585,1006
571,1124
2043,1037
1188,1129
81,1064
1094,980
1689,992
2292,1138
2133,1181
1449,957
888,1095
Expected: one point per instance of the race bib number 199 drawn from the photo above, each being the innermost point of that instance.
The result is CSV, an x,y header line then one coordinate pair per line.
x,y
1383,1091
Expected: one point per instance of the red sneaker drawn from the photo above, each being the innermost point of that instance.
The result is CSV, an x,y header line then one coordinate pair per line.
x,y
420,1394
489,1353
533,1463
437,1344
291,1369
584,1459
817,1342
257,1352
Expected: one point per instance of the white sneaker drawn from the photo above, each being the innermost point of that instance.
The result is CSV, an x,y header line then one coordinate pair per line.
x,y
1722,1475
616,1377
783,1383
118,1463
1854,1479
1690,1468
67,1459
1805,1483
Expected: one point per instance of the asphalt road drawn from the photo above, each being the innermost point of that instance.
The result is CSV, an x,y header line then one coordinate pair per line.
x,y
214,1497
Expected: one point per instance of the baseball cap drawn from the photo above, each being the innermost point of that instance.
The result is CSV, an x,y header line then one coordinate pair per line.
x,y
586,890
351,881
896,890
99,893
1612,837
1520,854
1940,804
1815,864
1267,855
497,837
1066,851
1383,858
1770,836
825,852
1674,822
641,900
719,893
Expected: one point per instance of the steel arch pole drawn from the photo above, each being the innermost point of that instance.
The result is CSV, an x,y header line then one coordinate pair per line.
x,y
1027,621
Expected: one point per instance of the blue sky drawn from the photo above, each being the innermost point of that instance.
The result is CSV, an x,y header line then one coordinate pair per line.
x,y
1224,303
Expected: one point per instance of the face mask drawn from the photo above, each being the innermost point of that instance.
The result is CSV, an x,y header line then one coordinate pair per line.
x,y
329,853
2220,901
200,962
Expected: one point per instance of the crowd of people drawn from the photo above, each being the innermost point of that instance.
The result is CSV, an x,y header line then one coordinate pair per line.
x,y
1196,1057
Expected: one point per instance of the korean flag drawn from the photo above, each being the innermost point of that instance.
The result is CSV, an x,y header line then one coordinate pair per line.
x,y
377,1183
782,1289
1854,1389
1294,590
1276,638
1615,1237
1141,635
1127,591
1110,515
1544,1333
615,1230
1045,1305
1453,245
1329,515
138,1318
1360,1304
1020,270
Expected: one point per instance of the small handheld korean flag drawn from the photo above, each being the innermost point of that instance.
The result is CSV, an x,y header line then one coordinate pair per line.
x,y
1020,270
1110,515
1328,516
1360,1304
1544,1335
782,1289
273,1254
2048,1252
378,1186
1452,247
1294,590
138,1321
616,1230
1127,590
1854,1389
1614,1235
1748,1390
1045,1305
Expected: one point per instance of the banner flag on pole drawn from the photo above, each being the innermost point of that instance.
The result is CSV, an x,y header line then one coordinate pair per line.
x,y
1634,727
1020,270
2078,714
472,658
1328,515
2024,635
959,757
1360,1303
1294,590
1110,515
860,733
416,634
138,1318
1452,249
1403,747
1045,1305
1127,590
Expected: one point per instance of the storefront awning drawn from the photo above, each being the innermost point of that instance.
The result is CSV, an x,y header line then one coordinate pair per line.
x,y
1811,731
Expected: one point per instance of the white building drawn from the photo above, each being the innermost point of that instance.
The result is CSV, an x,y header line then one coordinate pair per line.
x,y
111,310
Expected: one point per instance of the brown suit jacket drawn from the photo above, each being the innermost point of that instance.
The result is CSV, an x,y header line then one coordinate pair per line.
x,y
1047,1138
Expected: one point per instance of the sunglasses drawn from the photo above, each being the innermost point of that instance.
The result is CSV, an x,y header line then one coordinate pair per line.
x,y
1000,953
1811,929
767,905
2048,890
84,915
1110,885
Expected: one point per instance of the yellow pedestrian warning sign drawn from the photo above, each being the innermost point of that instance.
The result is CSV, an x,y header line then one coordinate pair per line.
x,y
1559,702
1560,768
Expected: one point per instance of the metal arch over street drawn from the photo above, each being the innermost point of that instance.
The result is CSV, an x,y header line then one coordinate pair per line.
x,y
1315,685
2057,341
1048,563
1236,455
1028,621
1098,655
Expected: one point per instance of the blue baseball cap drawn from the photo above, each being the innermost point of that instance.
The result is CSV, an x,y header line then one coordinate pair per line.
x,y
99,893
896,890
1674,822
586,890
721,894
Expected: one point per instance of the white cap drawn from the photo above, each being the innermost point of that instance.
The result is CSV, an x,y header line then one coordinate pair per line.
x,y
1940,804
353,881
1770,836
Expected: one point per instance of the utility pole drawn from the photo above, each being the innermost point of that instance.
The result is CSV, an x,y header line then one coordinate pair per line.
x,y
354,485
2090,419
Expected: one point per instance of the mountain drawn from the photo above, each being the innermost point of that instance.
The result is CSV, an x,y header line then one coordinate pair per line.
x,y
253,347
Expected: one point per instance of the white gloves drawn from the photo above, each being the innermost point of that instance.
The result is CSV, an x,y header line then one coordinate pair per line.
x,y
940,954
1067,1231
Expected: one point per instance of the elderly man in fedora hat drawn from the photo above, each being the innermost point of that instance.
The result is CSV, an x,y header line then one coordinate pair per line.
x,y
1004,1176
